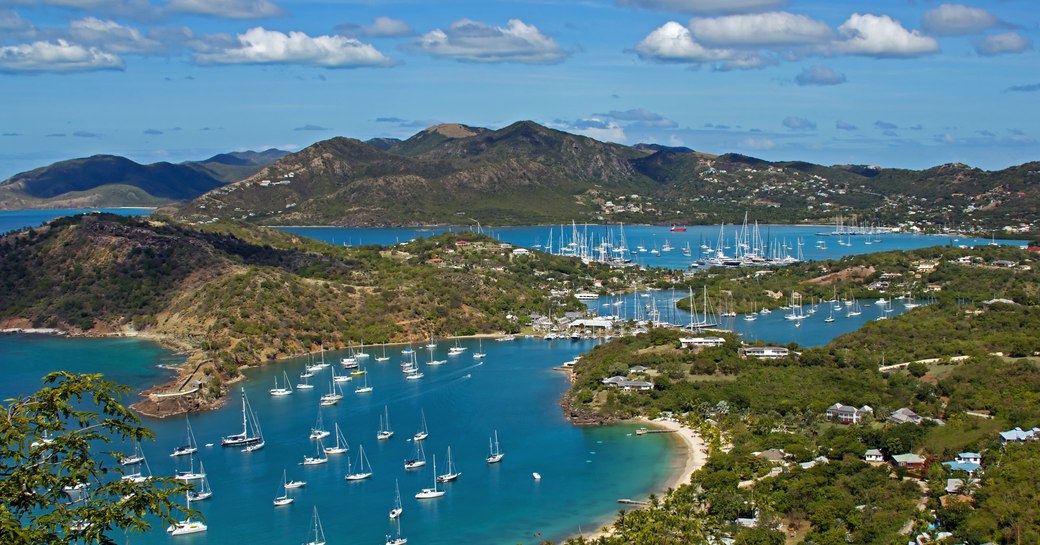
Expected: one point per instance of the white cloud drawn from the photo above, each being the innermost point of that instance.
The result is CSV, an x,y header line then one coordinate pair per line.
x,y
880,36
705,6
261,46
111,36
381,27
138,9
229,9
957,19
819,74
473,41
798,123
10,20
59,56
997,44
673,42
641,117
761,29
757,143
593,127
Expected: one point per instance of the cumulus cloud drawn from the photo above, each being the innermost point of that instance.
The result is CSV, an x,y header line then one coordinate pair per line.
x,y
885,125
11,21
381,27
998,44
261,46
844,126
760,29
796,123
309,127
641,117
59,56
228,9
880,36
957,19
705,6
593,127
819,74
473,41
1030,88
673,42
112,36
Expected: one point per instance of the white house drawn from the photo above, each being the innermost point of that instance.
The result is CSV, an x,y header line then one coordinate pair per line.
x,y
687,342
765,352
873,456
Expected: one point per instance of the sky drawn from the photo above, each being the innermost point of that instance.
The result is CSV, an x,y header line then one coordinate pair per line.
x,y
897,83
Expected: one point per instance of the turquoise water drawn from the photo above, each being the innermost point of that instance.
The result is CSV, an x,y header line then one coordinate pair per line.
x,y
12,220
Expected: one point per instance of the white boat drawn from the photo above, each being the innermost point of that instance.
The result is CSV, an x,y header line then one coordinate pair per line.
x,y
186,526
496,453
135,458
830,318
397,509
319,431
361,354
384,357
430,493
452,473
537,476
285,389
395,538
284,499
320,458
365,388
436,362
456,350
480,350
364,469
250,433
189,446
419,460
423,431
316,534
341,443
305,385
414,375
255,446
191,474
332,397
142,472
317,367
204,491
384,426
340,378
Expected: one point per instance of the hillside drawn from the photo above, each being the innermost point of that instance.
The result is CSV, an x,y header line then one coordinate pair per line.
x,y
526,173
111,181
234,294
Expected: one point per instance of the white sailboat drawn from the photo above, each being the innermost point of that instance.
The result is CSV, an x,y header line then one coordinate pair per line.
x,y
361,354
135,458
419,460
341,443
305,385
285,389
423,432
340,378
456,350
395,538
479,354
496,454
364,389
284,499
830,318
452,473
364,469
316,533
319,431
186,526
320,458
189,446
141,472
332,397
250,433
384,426
384,357
430,493
191,474
397,509
204,491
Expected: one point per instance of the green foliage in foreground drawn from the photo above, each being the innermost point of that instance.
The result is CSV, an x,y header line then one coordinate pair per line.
x,y
50,442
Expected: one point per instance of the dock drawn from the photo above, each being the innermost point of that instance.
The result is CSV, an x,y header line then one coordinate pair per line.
x,y
631,502
644,431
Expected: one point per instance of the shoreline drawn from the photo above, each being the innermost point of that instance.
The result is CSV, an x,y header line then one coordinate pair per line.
x,y
692,455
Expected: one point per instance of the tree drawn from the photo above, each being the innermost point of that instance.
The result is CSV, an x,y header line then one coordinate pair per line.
x,y
57,485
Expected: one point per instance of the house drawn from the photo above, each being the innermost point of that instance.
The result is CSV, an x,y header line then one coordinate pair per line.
x,y
874,456
612,380
969,458
956,465
630,385
954,486
846,414
638,369
1004,263
773,455
909,461
687,342
1018,436
812,463
904,416
765,352
521,251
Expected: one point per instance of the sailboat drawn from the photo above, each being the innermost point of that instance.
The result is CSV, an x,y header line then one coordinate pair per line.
x,y
135,458
456,350
384,426
395,538
363,389
285,389
332,397
480,350
423,432
341,443
364,469
854,310
384,357
189,446
419,460
496,454
830,318
361,354
321,457
317,533
452,473
190,474
186,526
204,490
319,431
284,499
430,493
143,472
340,378
250,433
397,509
305,385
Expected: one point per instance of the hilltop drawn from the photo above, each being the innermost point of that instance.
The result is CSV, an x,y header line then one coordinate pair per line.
x,y
113,181
526,173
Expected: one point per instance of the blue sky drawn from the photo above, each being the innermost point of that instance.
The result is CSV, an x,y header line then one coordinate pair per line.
x,y
903,83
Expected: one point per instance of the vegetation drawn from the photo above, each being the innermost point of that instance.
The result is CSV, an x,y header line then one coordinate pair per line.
x,y
55,487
